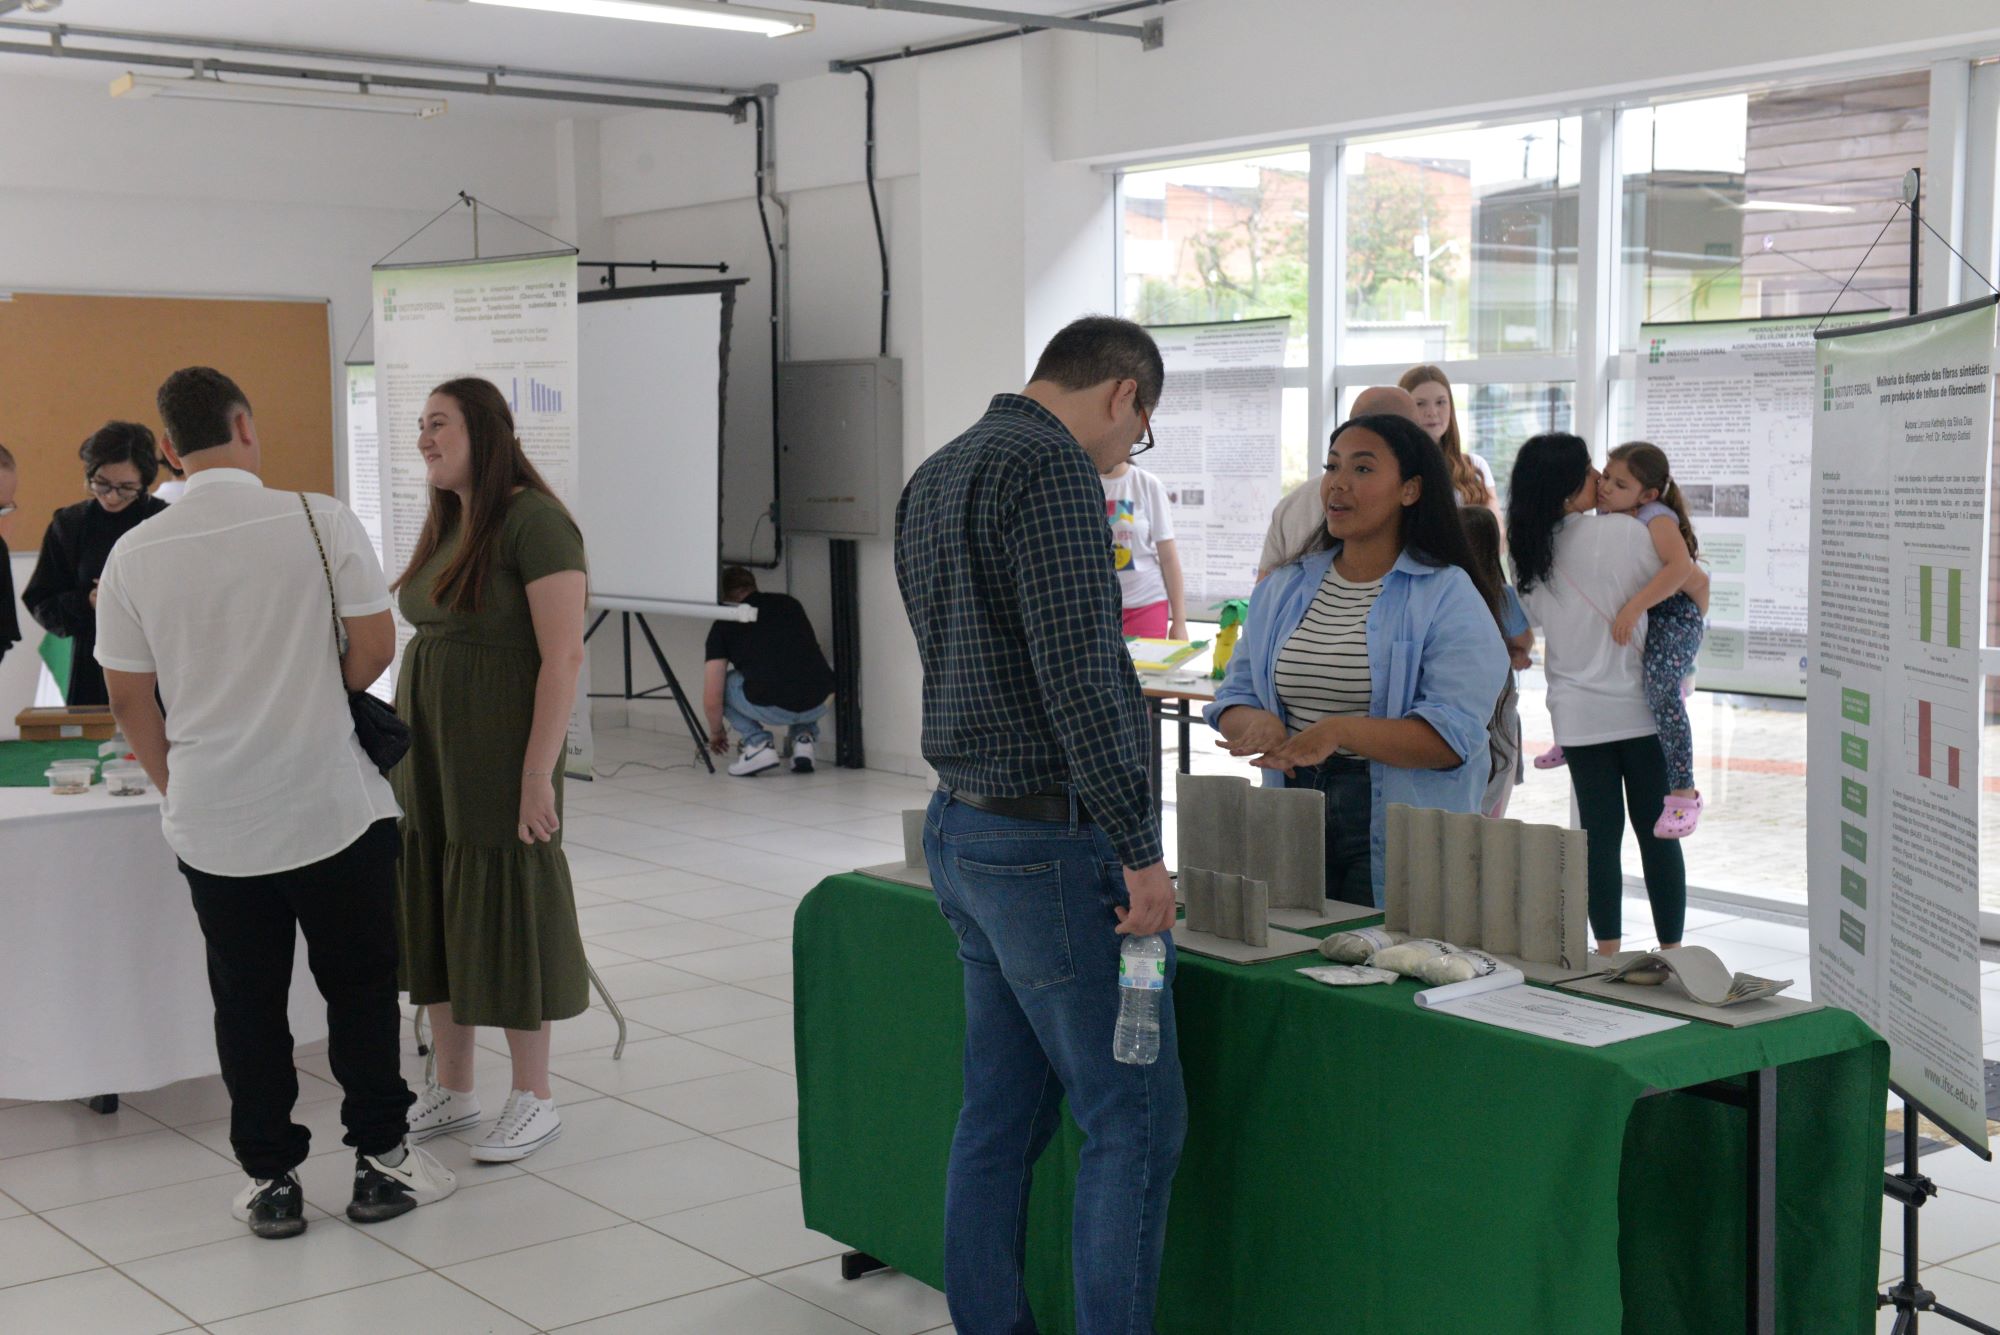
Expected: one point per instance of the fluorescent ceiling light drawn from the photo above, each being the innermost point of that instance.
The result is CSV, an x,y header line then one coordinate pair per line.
x,y
687,13
207,89
1783,206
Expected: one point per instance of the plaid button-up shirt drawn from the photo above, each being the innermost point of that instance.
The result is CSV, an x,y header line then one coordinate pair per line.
x,y
1004,559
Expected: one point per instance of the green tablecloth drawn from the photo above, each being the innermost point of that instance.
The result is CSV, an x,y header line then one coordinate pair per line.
x,y
22,763
1354,1163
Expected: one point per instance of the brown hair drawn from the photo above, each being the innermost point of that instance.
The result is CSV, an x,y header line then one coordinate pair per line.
x,y
737,582
499,467
1647,463
1465,476
1482,535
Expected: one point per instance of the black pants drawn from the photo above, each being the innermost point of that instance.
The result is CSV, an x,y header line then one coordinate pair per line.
x,y
1611,778
346,906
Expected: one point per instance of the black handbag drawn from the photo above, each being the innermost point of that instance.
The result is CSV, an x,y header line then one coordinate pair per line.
x,y
382,734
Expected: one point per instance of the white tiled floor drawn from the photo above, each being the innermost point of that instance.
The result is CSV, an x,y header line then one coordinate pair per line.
x,y
671,1205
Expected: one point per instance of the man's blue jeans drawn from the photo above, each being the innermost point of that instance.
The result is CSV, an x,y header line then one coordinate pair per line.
x,y
753,723
1031,902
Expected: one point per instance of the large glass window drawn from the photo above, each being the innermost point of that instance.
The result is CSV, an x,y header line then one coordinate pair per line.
x,y
1762,204
1218,241
1462,244
1465,247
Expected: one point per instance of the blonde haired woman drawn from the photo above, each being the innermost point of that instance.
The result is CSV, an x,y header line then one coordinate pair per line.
x,y
1471,476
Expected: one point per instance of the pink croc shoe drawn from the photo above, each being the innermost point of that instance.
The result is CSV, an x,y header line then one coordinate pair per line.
x,y
1553,758
1678,818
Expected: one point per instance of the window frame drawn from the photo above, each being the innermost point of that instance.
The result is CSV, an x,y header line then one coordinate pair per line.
x,y
1962,189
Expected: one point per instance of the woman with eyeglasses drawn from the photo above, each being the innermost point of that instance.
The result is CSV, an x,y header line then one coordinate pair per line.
x,y
119,465
1142,547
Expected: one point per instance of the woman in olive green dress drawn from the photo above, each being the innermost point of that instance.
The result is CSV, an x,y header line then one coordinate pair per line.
x,y
496,592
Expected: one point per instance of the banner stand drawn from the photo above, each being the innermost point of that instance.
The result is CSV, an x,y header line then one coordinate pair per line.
x,y
1910,1188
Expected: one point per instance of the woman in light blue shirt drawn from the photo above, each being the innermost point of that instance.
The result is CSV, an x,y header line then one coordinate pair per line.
x,y
1370,664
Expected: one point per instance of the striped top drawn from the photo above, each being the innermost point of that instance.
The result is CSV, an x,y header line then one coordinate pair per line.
x,y
1322,670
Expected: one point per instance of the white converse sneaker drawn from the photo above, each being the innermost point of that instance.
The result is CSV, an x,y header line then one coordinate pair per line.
x,y
754,760
526,1124
383,1190
441,1110
802,754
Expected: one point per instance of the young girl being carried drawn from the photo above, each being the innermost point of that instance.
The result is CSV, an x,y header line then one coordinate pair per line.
x,y
1637,481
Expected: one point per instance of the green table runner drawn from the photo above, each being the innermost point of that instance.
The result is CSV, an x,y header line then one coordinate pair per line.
x,y
22,763
1354,1163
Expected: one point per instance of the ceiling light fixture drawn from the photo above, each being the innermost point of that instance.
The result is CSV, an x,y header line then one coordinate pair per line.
x,y
687,13
205,88
1786,206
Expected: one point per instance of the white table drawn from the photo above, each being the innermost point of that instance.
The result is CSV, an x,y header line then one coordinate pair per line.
x,y
103,972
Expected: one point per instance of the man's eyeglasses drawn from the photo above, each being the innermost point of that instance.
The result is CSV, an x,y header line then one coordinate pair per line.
x,y
1146,442
108,490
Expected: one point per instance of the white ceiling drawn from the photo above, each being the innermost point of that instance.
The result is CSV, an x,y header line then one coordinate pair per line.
x,y
485,34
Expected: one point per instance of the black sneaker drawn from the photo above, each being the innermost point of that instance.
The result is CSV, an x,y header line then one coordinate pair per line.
x,y
273,1207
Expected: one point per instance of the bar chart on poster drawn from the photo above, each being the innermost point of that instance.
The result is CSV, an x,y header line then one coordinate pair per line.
x,y
1939,739
1939,606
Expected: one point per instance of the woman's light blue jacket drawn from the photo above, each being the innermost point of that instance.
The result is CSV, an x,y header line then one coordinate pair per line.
x,y
1434,653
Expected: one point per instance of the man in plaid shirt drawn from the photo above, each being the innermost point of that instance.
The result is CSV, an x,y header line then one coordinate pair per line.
x,y
1042,839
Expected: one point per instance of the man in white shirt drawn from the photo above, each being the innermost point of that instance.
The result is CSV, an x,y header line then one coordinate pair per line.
x,y
1300,515
280,821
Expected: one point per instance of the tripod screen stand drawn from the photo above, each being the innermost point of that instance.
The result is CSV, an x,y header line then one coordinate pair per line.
x,y
669,683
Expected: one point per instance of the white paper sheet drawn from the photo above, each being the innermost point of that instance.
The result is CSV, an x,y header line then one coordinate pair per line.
x,y
1546,1014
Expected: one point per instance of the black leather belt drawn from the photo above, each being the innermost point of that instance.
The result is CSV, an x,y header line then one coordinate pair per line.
x,y
1051,807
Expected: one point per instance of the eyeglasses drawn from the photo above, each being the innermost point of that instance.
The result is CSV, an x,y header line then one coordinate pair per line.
x,y
1146,442
110,489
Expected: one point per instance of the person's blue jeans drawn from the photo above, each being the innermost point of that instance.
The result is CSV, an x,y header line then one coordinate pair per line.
x,y
1032,902
754,722
1350,807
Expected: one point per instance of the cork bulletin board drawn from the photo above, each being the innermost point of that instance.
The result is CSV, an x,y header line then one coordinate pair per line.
x,y
69,364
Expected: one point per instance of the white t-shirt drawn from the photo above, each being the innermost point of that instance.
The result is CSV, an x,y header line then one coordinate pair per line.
x,y
1141,519
1597,688
222,595
1293,520
1485,471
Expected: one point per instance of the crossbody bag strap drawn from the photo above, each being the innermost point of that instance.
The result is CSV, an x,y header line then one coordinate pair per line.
x,y
333,599
1581,594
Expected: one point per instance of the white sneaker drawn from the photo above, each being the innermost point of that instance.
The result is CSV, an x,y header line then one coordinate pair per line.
x,y
383,1191
441,1110
802,754
754,760
526,1124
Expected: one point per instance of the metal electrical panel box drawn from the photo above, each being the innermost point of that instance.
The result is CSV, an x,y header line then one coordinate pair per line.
x,y
840,428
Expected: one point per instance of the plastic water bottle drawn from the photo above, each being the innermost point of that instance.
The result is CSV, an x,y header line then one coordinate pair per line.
x,y
1142,977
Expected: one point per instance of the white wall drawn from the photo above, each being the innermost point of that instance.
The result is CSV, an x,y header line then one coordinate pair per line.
x,y
1233,71
204,199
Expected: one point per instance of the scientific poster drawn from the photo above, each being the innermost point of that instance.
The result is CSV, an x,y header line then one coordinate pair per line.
x,y
1730,402
364,490
510,321
1218,453
1902,435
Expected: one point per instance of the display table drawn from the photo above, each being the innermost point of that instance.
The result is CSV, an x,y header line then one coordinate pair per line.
x,y
103,975
1175,697
1355,1163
